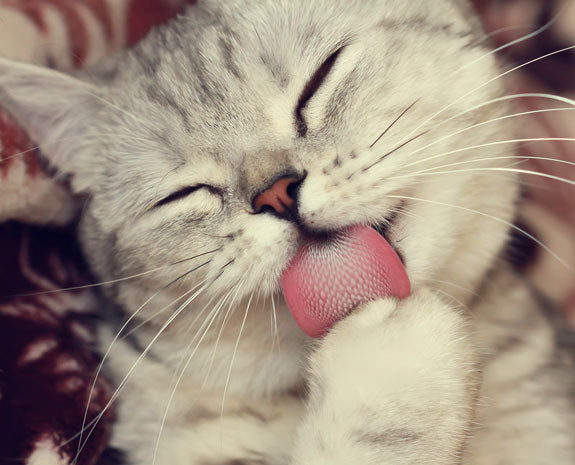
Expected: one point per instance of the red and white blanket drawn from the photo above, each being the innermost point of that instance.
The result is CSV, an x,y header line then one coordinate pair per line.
x,y
47,357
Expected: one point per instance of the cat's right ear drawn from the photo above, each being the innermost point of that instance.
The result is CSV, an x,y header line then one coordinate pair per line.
x,y
51,106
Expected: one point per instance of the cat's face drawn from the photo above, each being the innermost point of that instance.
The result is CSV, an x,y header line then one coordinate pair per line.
x,y
183,132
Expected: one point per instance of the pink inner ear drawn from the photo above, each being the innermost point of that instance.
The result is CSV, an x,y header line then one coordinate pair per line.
x,y
327,279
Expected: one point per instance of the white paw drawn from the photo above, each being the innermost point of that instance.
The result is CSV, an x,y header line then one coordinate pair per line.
x,y
391,371
421,329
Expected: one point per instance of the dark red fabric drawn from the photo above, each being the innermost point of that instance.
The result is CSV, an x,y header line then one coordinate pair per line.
x,y
46,345
146,13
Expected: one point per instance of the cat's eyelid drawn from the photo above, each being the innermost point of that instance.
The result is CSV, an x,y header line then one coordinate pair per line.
x,y
312,86
185,191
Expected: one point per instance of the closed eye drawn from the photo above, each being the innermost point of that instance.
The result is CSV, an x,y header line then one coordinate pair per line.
x,y
184,192
311,88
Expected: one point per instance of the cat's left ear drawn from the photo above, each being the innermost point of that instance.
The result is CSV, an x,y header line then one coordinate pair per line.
x,y
51,106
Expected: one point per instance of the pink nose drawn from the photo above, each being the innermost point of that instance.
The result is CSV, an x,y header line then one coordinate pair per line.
x,y
277,196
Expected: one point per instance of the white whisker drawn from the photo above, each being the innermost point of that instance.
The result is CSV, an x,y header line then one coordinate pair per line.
x,y
519,40
115,281
499,76
405,141
491,144
489,102
234,354
109,350
76,136
494,218
144,123
524,113
520,158
275,336
457,286
211,317
164,309
224,322
136,363
229,310
507,170
503,29
431,180
450,297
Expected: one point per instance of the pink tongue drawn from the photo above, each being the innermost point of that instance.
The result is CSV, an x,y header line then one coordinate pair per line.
x,y
327,279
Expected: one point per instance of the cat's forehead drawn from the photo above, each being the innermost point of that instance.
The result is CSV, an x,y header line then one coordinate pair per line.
x,y
226,77
219,57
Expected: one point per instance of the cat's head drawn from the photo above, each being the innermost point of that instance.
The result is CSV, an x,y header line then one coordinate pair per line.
x,y
370,112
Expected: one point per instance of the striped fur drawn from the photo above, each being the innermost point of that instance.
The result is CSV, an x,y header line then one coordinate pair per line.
x,y
463,371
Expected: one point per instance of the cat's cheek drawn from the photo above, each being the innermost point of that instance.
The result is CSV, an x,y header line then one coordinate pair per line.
x,y
257,255
333,202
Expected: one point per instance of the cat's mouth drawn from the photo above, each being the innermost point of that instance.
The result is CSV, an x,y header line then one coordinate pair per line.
x,y
382,228
331,274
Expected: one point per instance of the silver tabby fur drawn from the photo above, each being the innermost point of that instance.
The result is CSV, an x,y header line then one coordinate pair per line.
x,y
466,370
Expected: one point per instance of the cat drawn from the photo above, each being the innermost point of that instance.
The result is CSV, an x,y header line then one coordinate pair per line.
x,y
381,113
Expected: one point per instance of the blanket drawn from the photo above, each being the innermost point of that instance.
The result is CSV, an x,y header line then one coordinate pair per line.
x,y
48,307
